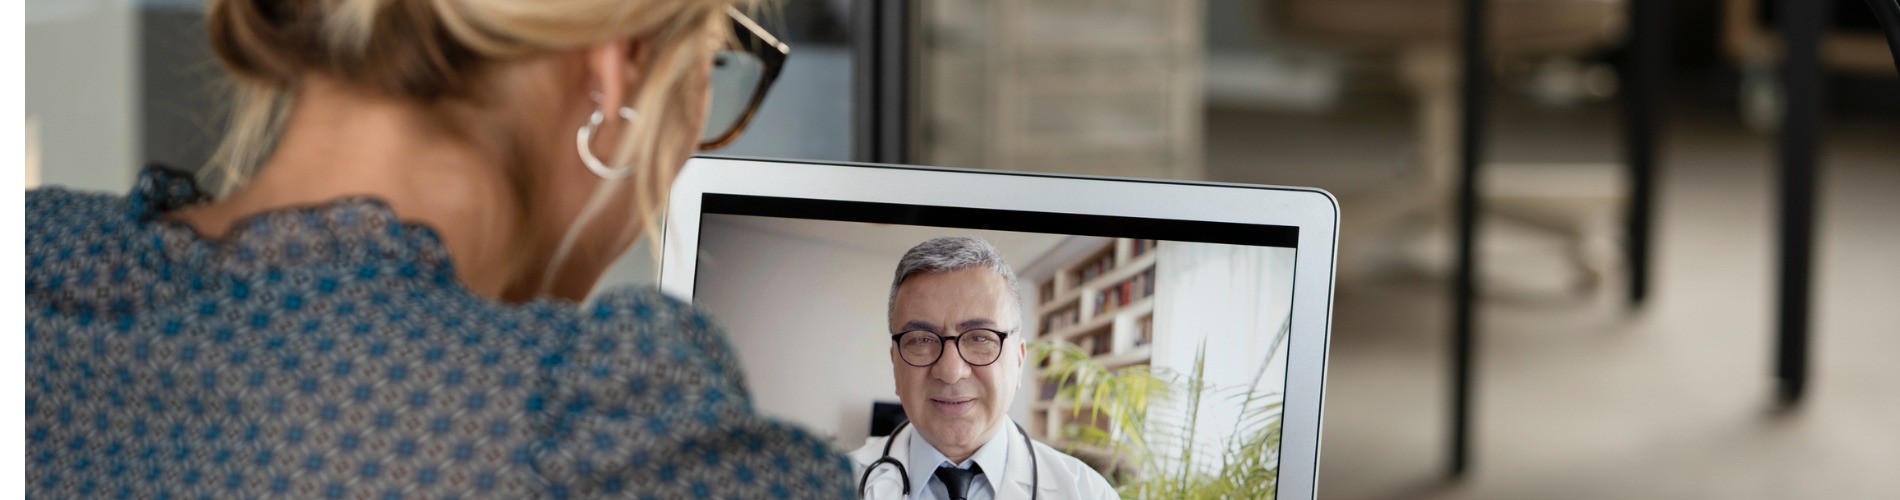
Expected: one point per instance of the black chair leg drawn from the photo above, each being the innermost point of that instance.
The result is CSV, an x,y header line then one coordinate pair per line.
x,y
1471,145
1802,22
1645,59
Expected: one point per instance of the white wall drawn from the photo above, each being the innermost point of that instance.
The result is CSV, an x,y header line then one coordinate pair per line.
x,y
804,304
1234,298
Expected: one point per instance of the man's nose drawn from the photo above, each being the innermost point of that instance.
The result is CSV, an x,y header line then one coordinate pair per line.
x,y
950,367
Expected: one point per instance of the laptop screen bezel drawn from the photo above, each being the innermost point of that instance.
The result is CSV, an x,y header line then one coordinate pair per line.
x,y
1313,212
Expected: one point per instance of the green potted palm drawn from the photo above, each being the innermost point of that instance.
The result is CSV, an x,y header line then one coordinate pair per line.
x,y
1145,429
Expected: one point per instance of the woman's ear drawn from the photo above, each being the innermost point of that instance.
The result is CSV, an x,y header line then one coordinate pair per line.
x,y
614,70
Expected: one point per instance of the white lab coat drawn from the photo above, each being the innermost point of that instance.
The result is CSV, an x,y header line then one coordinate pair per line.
x,y
1063,477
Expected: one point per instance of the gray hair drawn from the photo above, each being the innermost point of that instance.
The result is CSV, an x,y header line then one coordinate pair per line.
x,y
947,254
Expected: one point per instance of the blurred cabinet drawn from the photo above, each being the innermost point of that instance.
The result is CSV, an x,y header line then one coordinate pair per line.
x,y
1102,87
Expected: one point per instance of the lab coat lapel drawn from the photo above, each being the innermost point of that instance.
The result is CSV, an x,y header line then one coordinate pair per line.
x,y
873,449
1020,482
886,482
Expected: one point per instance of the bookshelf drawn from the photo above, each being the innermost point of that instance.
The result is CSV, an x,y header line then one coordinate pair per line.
x,y
1097,295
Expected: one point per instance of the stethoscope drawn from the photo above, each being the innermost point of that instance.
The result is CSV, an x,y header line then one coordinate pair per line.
x,y
1035,483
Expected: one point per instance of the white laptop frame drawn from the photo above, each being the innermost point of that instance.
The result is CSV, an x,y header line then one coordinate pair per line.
x,y
1315,212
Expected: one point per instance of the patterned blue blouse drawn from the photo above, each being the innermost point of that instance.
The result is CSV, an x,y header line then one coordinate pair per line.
x,y
329,352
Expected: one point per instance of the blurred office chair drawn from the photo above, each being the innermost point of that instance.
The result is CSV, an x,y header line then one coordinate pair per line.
x,y
1565,200
1853,44
1887,12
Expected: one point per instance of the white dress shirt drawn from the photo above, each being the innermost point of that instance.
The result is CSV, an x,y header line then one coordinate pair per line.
x,y
993,456
1033,471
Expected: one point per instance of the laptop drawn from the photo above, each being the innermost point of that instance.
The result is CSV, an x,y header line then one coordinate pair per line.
x,y
1226,284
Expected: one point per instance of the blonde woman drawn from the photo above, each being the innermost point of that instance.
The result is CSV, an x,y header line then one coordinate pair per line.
x,y
381,300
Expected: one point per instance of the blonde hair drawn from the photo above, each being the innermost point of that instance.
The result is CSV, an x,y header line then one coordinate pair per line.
x,y
432,50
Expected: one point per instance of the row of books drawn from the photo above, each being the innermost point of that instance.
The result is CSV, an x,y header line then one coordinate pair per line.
x,y
1117,296
1145,331
1101,265
1140,247
1062,318
1096,344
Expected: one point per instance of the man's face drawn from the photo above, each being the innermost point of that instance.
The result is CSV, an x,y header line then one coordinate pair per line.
x,y
955,405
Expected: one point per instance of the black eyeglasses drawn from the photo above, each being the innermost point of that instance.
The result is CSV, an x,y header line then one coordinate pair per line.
x,y
740,76
978,347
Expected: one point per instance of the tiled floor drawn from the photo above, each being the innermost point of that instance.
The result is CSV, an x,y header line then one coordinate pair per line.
x,y
1579,397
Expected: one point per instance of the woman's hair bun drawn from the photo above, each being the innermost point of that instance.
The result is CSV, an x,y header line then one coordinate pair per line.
x,y
396,46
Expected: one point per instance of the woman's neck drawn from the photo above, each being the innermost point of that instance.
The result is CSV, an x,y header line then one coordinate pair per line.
x,y
339,142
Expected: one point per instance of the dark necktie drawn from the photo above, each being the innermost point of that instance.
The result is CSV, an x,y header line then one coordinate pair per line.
x,y
957,481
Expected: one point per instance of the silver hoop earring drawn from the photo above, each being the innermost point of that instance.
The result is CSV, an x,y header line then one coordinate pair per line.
x,y
584,137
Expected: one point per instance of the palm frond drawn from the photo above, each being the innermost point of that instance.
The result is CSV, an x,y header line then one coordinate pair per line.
x,y
1150,421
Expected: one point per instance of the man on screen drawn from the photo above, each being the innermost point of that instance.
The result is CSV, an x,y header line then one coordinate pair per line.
x,y
957,355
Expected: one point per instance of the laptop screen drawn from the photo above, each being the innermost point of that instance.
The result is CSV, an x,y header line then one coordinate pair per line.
x,y
1144,339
